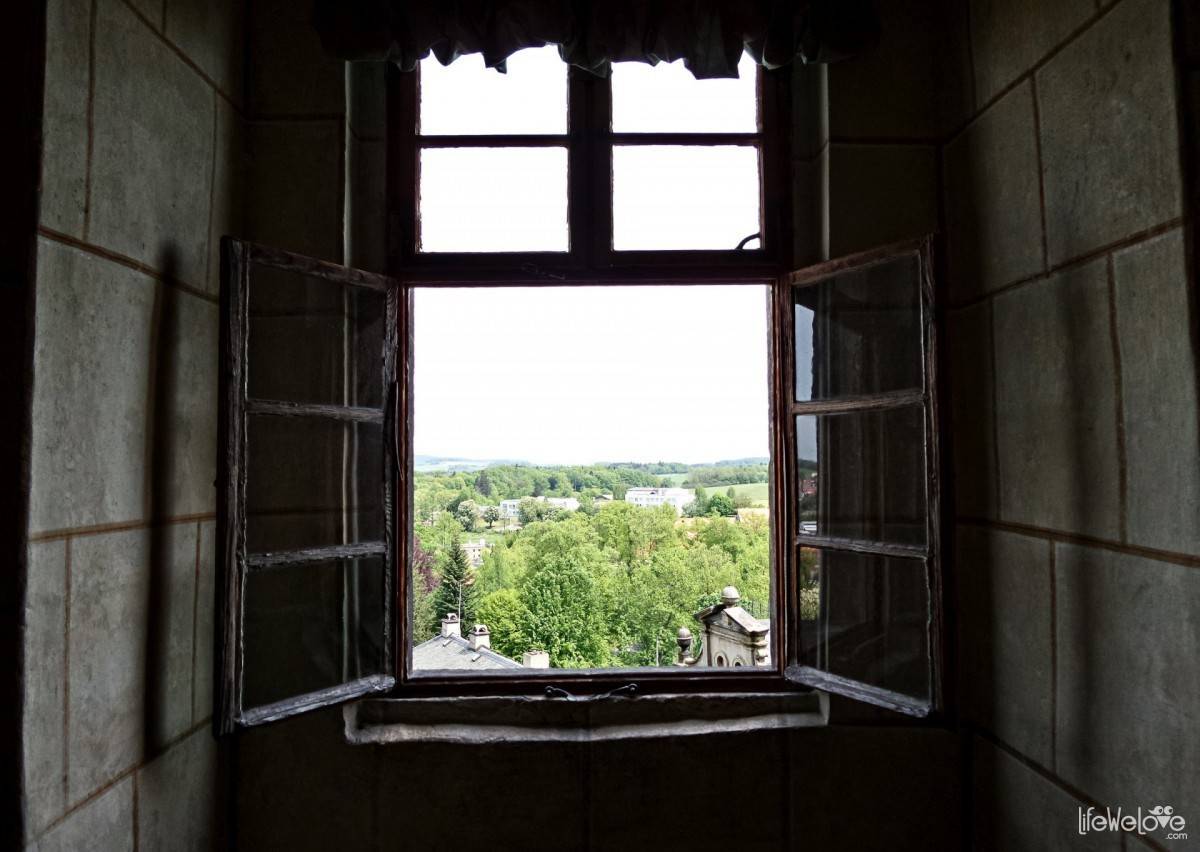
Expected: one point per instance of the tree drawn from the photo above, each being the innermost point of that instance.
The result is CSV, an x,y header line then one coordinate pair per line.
x,y
456,589
719,504
467,514
490,515
504,613
483,483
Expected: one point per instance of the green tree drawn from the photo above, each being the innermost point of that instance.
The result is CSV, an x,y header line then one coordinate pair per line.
x,y
504,614
720,504
467,514
483,483
456,590
490,515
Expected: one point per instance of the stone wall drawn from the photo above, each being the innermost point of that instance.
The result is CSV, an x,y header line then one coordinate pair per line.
x,y
1077,467
141,176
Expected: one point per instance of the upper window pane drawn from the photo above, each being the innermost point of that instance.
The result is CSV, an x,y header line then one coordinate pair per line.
x,y
467,98
667,98
493,199
676,197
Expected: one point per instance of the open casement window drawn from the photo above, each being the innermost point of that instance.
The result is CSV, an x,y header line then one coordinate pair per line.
x,y
307,564
862,505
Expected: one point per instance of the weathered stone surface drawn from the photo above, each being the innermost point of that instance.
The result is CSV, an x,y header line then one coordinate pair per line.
x,y
1056,404
993,203
209,32
291,73
109,594
1004,620
627,782
104,823
1158,385
152,149
973,416
177,796
892,90
879,194
295,203
91,390
1008,37
183,415
367,246
45,677
1016,808
1128,636
132,595
202,688
1110,142
64,120
229,188
865,788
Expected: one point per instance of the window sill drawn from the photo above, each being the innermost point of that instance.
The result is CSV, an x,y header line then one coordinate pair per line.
x,y
529,719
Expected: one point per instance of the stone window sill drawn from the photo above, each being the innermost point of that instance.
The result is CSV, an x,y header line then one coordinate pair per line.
x,y
528,719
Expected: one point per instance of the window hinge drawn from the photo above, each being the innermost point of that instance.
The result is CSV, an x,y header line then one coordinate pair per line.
x,y
629,690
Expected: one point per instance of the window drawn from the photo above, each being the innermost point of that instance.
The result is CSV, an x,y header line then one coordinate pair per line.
x,y
498,188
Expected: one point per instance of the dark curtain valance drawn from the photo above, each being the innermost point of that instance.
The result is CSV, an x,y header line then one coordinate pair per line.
x,y
708,35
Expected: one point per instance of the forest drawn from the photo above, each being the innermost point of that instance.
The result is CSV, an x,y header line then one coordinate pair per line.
x,y
606,585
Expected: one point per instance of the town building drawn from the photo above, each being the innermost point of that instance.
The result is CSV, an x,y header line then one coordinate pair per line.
x,y
731,637
680,498
512,508
449,650
475,551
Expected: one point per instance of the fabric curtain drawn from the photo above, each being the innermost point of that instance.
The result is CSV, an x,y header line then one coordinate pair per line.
x,y
708,35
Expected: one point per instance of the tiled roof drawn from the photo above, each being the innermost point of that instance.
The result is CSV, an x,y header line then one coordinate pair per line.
x,y
454,652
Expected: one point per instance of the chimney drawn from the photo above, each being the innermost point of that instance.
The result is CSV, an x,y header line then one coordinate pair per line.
x,y
450,625
480,637
536,660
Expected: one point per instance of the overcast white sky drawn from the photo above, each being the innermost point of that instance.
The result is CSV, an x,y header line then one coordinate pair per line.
x,y
580,375
589,374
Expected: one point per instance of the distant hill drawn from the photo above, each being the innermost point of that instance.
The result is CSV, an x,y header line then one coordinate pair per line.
x,y
452,464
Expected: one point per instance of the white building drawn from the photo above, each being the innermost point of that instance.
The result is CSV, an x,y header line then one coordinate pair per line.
x,y
475,551
512,508
651,497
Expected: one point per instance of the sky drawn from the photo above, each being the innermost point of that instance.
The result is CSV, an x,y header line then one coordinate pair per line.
x,y
577,375
588,374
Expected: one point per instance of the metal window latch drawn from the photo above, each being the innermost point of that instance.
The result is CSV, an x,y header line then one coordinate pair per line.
x,y
629,690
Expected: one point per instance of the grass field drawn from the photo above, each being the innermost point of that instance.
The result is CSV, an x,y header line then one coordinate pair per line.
x,y
673,479
756,491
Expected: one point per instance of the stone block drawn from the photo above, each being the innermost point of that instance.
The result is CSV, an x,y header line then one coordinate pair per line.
x,y
229,188
993,200
183,415
1128,695
1017,808
868,788
1110,138
152,150
130,649
291,73
1056,404
296,203
177,796
548,814
367,248
211,35
973,417
880,194
91,390
104,823
631,785
367,106
1004,620
64,120
45,679
1158,387
206,594
1009,37
286,801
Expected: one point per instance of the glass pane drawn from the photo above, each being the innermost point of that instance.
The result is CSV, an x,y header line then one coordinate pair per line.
x,y
862,475
314,341
866,617
312,482
675,197
311,626
494,199
667,98
464,97
859,332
